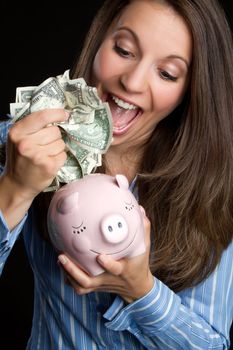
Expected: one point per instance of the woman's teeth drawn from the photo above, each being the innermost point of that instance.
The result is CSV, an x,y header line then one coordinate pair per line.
x,y
123,104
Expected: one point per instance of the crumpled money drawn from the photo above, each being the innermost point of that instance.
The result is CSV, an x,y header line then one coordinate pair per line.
x,y
88,131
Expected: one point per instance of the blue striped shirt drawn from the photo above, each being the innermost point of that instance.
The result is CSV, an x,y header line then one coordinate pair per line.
x,y
196,318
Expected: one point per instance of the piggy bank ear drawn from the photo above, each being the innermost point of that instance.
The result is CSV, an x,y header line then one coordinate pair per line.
x,y
122,181
68,203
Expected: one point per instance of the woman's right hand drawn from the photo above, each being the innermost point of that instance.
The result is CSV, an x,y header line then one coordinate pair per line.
x,y
35,151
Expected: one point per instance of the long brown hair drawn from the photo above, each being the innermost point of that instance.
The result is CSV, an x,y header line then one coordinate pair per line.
x,y
185,182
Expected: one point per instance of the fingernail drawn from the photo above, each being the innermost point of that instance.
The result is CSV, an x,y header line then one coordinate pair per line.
x,y
142,210
103,259
67,114
63,260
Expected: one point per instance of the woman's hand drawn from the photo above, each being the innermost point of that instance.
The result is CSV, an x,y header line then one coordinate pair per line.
x,y
35,151
130,278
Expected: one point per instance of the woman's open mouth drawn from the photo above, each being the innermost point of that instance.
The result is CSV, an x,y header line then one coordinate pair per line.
x,y
124,114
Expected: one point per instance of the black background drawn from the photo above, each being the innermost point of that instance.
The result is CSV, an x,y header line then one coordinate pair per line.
x,y
37,42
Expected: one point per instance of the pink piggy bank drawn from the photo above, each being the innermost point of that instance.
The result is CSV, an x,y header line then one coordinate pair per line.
x,y
93,215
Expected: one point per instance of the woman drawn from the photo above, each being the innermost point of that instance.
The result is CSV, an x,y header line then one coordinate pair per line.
x,y
164,67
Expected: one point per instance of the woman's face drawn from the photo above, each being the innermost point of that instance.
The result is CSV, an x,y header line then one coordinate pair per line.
x,y
141,68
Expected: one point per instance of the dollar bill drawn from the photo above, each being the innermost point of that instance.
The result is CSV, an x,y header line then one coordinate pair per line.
x,y
88,132
24,94
95,136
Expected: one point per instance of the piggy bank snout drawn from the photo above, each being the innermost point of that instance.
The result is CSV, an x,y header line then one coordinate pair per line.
x,y
114,228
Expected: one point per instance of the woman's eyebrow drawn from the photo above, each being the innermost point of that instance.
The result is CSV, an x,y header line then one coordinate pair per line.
x,y
180,58
131,32
138,42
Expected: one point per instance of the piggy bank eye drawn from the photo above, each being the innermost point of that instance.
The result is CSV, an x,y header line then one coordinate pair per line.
x,y
79,229
129,206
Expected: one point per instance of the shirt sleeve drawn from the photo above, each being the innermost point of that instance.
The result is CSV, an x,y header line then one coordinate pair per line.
x,y
8,238
4,128
198,318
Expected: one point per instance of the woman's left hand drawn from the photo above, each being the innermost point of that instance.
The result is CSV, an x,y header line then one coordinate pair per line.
x,y
130,278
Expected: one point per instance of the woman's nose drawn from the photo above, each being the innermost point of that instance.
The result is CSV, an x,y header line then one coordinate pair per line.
x,y
135,79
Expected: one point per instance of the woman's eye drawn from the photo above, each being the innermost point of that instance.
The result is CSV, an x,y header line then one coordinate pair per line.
x,y
166,76
122,52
